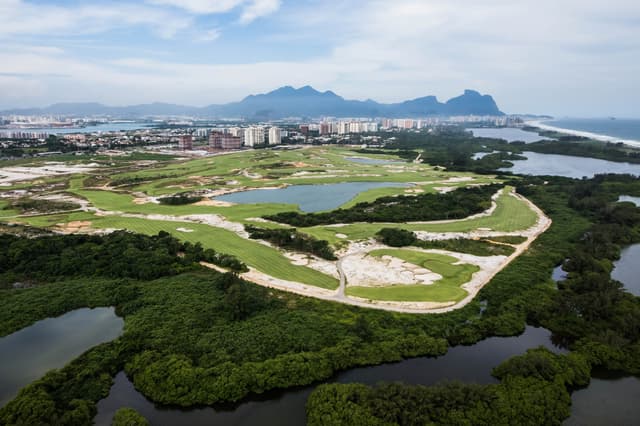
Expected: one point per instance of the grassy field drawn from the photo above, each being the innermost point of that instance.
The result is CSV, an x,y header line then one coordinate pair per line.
x,y
259,256
444,290
511,214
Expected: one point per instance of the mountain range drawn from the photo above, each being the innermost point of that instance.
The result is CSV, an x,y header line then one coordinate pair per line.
x,y
284,102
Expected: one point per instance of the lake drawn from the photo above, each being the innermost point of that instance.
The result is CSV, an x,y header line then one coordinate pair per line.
x,y
28,354
509,134
310,198
568,166
287,408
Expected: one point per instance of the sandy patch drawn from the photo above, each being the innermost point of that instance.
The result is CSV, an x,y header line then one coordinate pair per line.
x,y
23,173
445,189
213,203
341,236
187,230
321,265
77,226
369,271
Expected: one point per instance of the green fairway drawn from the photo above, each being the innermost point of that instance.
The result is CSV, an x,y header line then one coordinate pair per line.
x,y
263,258
511,214
446,289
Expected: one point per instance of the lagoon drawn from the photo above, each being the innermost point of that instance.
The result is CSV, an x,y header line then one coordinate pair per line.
x,y
568,166
310,198
287,408
28,354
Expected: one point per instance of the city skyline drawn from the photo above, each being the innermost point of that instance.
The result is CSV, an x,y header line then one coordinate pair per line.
x,y
573,59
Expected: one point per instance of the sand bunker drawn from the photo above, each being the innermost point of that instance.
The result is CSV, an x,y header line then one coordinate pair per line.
x,y
368,271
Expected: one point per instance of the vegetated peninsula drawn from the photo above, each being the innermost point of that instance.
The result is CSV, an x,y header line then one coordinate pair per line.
x,y
288,102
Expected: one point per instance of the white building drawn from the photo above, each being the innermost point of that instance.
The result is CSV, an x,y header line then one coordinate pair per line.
x,y
253,136
275,136
343,127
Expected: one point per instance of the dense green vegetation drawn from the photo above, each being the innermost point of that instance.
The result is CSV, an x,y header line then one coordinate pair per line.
x,y
39,205
587,148
291,239
396,237
117,255
180,199
532,391
195,336
457,204
128,417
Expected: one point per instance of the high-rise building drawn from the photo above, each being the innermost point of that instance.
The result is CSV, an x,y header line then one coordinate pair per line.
x,y
253,136
274,136
325,129
219,140
343,127
185,142
304,129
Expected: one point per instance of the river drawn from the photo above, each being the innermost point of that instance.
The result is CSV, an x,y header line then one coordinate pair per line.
x,y
287,408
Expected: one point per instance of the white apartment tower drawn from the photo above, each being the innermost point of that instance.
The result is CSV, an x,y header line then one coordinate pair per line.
x,y
253,136
274,136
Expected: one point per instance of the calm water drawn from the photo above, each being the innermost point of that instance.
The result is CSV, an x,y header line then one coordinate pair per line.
x,y
28,354
481,155
287,408
508,133
310,198
620,128
568,166
559,274
106,127
363,160
628,198
627,269
609,400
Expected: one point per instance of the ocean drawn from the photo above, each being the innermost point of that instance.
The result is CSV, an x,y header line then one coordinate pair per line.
x,y
622,128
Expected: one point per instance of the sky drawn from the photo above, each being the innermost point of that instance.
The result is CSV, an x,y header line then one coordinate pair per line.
x,y
578,58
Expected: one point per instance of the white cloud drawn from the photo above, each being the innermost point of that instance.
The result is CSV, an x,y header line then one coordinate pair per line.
x,y
251,9
570,57
18,17
258,8
210,35
201,6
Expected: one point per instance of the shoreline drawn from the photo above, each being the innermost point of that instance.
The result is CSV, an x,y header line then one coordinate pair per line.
x,y
595,136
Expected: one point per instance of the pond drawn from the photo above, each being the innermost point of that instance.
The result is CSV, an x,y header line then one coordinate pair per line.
x,y
509,134
627,269
310,198
287,408
28,354
363,160
568,166
629,199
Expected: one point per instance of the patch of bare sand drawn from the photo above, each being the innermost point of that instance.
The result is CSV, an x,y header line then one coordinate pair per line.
x,y
213,203
74,227
369,271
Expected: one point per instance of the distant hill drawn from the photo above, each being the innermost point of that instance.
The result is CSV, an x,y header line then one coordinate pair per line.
x,y
286,102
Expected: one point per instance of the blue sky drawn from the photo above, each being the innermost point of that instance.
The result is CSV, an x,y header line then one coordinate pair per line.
x,y
567,58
